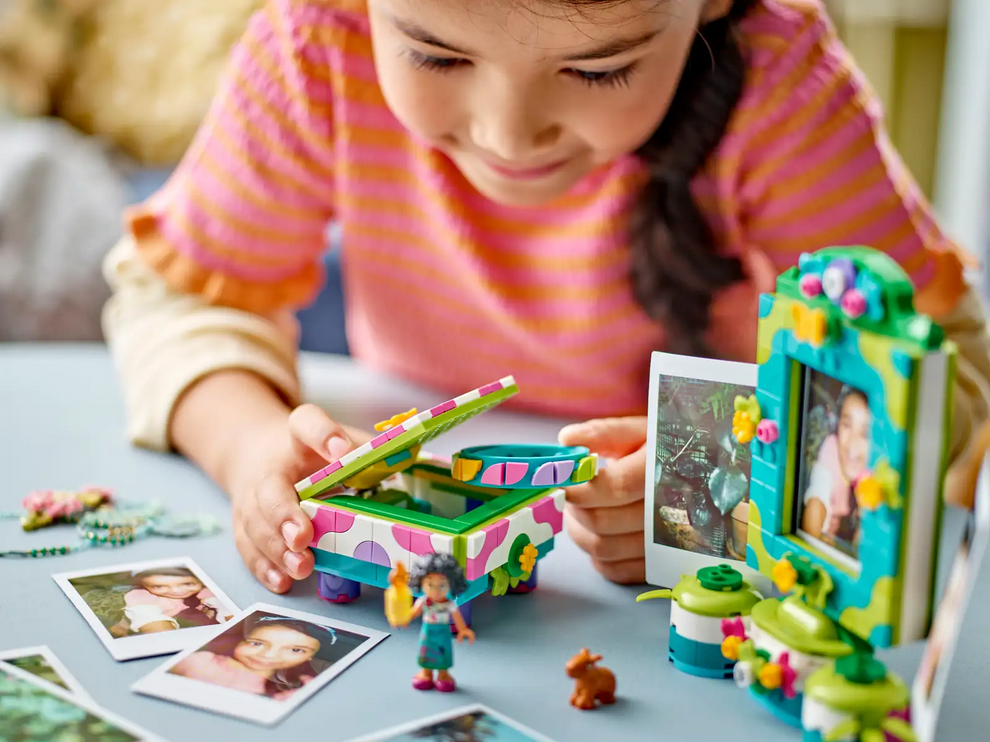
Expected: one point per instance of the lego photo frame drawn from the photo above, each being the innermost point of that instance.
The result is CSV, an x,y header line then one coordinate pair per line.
x,y
849,427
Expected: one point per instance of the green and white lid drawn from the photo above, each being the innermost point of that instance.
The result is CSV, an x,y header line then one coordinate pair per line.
x,y
858,684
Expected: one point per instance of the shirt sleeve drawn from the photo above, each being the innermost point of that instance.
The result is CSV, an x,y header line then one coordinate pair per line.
x,y
816,167
163,341
242,221
140,615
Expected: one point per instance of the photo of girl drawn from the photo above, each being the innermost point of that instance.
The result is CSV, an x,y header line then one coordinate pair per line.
x,y
268,655
166,599
836,439
148,608
262,666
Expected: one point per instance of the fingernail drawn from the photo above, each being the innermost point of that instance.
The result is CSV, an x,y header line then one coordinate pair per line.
x,y
293,561
289,532
274,577
337,446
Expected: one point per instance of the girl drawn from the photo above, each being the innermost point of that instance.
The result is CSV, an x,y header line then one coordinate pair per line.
x,y
550,188
830,508
440,579
271,658
167,599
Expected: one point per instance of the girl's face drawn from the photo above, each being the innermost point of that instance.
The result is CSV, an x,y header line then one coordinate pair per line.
x,y
269,649
527,98
435,587
854,436
172,586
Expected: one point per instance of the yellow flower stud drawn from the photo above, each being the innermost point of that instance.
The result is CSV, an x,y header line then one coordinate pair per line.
x,y
527,559
743,427
730,647
395,420
771,676
784,576
810,325
869,493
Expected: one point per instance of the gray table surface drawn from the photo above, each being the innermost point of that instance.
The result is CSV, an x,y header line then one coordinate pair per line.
x,y
62,425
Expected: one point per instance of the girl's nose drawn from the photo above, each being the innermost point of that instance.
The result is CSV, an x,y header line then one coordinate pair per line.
x,y
512,128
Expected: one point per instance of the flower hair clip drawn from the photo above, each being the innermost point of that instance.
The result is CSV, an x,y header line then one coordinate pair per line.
x,y
44,508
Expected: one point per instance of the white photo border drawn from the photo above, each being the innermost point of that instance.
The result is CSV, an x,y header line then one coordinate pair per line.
x,y
148,645
385,735
81,702
75,687
160,683
925,709
665,565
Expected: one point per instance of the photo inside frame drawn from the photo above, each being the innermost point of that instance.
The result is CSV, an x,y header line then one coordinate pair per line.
x,y
702,473
834,451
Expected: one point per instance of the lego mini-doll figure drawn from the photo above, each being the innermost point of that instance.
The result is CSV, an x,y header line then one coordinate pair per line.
x,y
440,579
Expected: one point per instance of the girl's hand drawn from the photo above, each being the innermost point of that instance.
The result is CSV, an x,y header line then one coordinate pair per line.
x,y
271,530
605,515
465,633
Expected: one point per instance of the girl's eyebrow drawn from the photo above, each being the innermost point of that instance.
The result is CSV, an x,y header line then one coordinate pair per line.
x,y
611,48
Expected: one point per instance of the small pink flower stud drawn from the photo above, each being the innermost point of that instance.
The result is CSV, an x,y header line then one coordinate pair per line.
x,y
810,285
854,303
788,675
767,431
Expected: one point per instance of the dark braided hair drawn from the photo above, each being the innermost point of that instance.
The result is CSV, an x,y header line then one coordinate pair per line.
x,y
676,268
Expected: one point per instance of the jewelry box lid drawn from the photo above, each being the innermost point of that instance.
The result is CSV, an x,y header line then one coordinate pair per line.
x,y
399,439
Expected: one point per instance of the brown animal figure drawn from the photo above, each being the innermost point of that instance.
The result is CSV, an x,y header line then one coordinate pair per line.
x,y
591,683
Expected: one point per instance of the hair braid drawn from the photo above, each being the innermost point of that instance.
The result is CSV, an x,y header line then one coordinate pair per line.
x,y
676,268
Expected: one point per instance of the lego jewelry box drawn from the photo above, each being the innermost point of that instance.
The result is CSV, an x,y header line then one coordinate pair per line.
x,y
850,432
387,502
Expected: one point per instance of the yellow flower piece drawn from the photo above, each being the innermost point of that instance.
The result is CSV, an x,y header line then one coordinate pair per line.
x,y
810,325
730,647
869,493
395,420
743,427
771,676
527,559
784,576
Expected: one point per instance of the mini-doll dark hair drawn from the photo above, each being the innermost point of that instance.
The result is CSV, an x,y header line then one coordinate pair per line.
x,y
438,564
166,572
676,264
291,679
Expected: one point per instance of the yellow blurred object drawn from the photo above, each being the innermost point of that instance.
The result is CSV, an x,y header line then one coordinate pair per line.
x,y
398,598
139,74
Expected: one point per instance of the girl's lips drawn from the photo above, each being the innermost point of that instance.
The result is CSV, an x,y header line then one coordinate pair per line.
x,y
526,173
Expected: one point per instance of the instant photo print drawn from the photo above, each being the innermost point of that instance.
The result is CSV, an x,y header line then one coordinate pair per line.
x,y
261,667
147,609
475,722
967,574
51,712
698,479
42,663
851,416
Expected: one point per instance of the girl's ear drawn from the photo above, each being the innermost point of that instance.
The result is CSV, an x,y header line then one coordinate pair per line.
x,y
714,10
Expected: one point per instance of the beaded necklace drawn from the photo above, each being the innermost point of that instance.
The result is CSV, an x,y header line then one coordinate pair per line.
x,y
100,521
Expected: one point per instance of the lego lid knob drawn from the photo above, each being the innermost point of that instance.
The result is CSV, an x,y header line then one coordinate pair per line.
x,y
722,578
861,669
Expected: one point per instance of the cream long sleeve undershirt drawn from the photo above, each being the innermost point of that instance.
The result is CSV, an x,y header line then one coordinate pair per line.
x,y
163,342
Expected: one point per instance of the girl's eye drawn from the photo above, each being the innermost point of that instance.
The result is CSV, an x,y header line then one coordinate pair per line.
x,y
434,64
610,78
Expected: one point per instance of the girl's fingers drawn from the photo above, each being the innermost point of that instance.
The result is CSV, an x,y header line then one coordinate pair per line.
x,y
610,521
278,504
271,544
605,549
622,483
313,427
261,566
612,437
631,572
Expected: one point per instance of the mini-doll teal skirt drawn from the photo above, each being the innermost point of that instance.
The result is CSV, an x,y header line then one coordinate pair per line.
x,y
436,647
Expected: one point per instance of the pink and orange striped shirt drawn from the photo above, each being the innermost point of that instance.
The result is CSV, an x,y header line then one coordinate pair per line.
x,y
448,289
